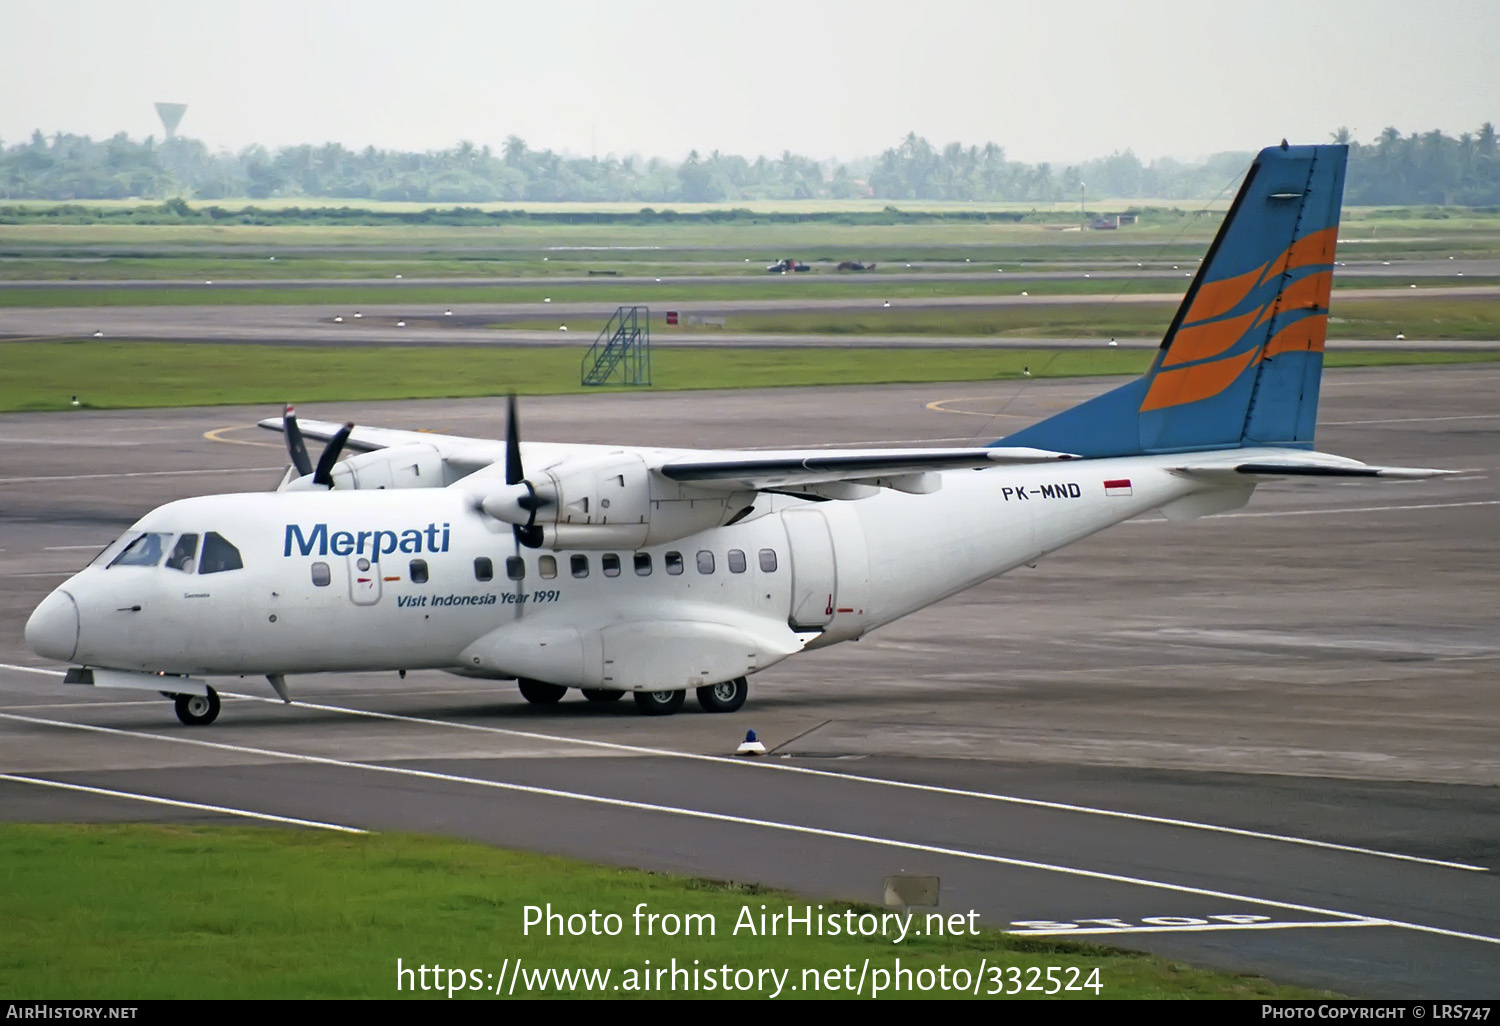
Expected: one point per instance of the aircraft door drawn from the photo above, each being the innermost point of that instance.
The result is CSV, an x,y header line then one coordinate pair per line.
x,y
814,578
364,581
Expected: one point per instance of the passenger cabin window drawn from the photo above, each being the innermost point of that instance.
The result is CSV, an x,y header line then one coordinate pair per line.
x,y
547,566
768,561
484,569
418,571
515,568
643,564
146,550
705,561
736,561
611,564
673,561
183,553
218,555
320,575
579,565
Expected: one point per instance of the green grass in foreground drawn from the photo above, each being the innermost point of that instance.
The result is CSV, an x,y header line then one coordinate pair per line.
x,y
109,375
119,911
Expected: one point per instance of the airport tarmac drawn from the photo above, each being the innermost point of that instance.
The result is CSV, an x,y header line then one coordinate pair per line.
x,y
1265,741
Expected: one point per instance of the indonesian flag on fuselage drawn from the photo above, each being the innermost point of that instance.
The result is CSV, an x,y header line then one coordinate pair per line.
x,y
1119,487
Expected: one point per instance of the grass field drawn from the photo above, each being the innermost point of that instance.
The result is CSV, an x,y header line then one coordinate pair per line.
x,y
1357,318
127,912
605,294
110,375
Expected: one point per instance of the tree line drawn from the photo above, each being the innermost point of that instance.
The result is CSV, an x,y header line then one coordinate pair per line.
x,y
1421,168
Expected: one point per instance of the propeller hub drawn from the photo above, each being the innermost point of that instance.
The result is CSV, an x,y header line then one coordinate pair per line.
x,y
514,504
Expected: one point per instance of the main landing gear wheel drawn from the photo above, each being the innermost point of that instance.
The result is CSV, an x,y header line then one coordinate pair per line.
x,y
539,692
725,697
197,710
602,695
659,703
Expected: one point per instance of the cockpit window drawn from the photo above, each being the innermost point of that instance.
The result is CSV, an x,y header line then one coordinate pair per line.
x,y
145,550
183,553
218,555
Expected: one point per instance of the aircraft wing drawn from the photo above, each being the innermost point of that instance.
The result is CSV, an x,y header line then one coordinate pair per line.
x,y
789,469
726,470
466,454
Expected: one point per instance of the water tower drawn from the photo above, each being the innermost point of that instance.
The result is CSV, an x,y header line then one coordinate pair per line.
x,y
171,115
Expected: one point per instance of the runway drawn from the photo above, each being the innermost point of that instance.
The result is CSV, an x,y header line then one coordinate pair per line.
x,y
1264,741
894,272
470,323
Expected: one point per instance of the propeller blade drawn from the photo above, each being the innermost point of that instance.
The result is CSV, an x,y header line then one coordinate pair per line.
x,y
514,474
294,443
324,474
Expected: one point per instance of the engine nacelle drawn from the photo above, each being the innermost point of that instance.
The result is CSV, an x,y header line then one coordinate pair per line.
x,y
612,501
418,465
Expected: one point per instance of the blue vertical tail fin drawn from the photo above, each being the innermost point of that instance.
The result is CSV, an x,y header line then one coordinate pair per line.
x,y
1241,362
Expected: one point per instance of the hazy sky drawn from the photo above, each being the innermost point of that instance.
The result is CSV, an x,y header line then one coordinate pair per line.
x,y
1060,80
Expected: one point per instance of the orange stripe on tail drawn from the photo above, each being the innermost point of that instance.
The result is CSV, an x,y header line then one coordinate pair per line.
x,y
1190,384
1219,297
1308,251
1306,335
1204,340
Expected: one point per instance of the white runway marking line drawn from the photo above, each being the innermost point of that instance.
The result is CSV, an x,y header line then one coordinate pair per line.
x,y
726,818
1410,420
198,806
720,817
874,781
1210,928
1152,517
877,781
1352,509
138,473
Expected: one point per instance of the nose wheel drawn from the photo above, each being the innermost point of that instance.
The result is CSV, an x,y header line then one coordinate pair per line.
x,y
539,692
197,710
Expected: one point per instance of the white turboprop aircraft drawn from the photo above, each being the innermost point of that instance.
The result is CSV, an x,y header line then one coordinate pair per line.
x,y
614,569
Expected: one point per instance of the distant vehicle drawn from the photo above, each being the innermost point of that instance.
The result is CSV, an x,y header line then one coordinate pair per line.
x,y
783,266
855,265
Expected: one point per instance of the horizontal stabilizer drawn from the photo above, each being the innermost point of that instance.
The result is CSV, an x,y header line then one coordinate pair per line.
x,y
1311,466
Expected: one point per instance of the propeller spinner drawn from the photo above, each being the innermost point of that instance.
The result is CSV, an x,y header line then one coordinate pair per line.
x,y
519,502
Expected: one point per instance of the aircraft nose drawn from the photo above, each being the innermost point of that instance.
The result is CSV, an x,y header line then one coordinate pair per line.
x,y
52,630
